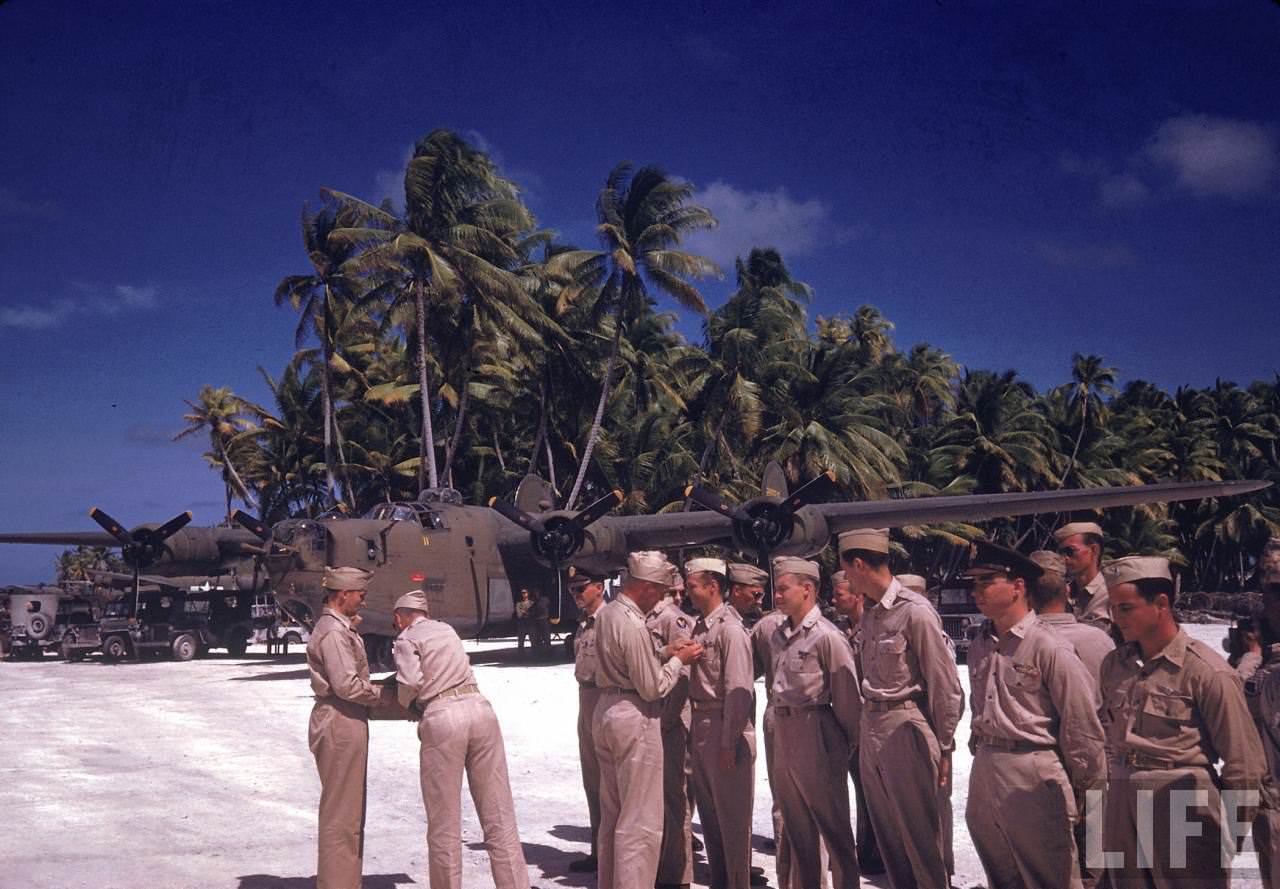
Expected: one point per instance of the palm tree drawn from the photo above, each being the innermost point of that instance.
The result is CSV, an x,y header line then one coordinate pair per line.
x,y
455,245
642,218
1091,381
220,412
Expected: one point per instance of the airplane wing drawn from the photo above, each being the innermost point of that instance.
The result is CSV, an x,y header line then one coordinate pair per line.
x,y
63,538
706,526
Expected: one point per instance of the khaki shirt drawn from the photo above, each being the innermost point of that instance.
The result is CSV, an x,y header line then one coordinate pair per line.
x,y
1186,706
1262,693
429,660
626,655
1028,686
723,675
1091,644
585,661
1096,609
761,655
907,655
813,667
338,663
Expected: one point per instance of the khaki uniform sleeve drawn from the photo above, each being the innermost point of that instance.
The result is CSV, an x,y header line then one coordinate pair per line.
x,y
941,678
846,686
1250,661
652,678
1079,731
1231,730
408,671
341,671
739,682
759,649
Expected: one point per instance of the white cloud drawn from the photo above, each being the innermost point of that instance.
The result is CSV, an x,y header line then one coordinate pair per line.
x,y
121,298
764,219
1122,189
1215,156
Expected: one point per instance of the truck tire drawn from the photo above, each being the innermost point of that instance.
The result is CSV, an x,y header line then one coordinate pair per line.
x,y
114,649
184,647
38,626
293,638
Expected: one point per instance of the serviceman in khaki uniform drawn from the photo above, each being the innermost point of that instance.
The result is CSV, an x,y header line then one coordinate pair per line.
x,y
1260,670
1171,707
1080,545
852,606
746,591
721,695
816,708
913,582
339,731
459,733
1048,596
588,594
668,623
912,701
1038,744
634,677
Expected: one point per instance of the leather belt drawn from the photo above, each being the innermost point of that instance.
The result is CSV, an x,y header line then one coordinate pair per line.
x,y
1010,744
456,691
586,683
797,709
882,706
706,705
1146,762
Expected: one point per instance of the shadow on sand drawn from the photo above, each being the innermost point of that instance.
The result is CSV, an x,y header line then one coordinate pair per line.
x,y
556,655
270,881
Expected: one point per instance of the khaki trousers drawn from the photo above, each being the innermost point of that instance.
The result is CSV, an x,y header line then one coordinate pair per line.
x,y
899,759
724,800
813,788
1266,834
1020,814
787,877
462,734
675,861
587,698
868,851
1202,864
339,740
628,736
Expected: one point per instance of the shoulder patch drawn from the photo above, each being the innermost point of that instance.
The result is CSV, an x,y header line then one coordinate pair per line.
x,y
682,622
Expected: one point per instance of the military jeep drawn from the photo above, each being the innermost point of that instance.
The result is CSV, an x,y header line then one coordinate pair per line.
x,y
42,617
178,623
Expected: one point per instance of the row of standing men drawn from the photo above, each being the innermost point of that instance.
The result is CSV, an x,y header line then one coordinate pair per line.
x,y
1069,733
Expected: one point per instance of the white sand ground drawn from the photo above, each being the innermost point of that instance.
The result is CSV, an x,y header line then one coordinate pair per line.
x,y
171,775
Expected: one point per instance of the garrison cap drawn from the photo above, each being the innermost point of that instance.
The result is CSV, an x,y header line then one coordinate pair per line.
x,y
580,578
1050,562
414,600
1132,568
651,565
913,582
1075,528
986,554
346,579
715,566
838,577
873,540
750,575
793,565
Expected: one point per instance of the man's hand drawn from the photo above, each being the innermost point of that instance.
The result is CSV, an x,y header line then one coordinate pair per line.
x,y
686,649
944,770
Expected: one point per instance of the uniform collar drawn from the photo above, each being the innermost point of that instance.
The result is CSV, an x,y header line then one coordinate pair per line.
x,y
1176,651
891,595
628,603
342,618
721,612
1058,617
1021,627
806,623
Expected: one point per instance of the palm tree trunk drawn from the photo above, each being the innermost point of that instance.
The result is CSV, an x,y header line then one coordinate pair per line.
x,y
542,425
599,417
239,482
497,449
428,449
326,395
454,439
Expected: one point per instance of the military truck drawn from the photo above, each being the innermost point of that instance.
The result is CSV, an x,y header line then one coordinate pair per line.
x,y
960,617
179,623
42,616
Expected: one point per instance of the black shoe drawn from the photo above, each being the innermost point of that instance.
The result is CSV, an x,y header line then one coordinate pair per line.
x,y
697,845
770,845
670,886
759,879
584,865
757,871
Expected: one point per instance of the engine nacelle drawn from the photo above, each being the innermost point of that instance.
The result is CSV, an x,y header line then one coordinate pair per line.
x,y
193,546
603,549
780,532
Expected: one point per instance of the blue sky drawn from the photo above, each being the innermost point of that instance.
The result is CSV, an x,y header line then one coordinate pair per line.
x,y
1011,184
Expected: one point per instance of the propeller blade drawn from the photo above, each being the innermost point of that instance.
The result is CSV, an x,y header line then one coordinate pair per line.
x,y
712,500
815,490
111,526
773,481
598,510
250,524
519,516
171,527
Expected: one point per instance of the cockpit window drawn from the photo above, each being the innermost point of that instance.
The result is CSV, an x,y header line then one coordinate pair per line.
x,y
407,512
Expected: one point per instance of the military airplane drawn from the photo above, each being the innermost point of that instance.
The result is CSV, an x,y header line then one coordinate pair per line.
x,y
468,559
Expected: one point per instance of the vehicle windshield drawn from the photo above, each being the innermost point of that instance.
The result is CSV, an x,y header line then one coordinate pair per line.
x,y
116,609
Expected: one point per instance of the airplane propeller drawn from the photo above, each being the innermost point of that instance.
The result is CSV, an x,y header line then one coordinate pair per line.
x,y
142,545
255,527
765,522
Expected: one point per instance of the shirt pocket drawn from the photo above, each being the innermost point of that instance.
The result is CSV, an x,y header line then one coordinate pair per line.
x,y
1023,679
889,660
1166,716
